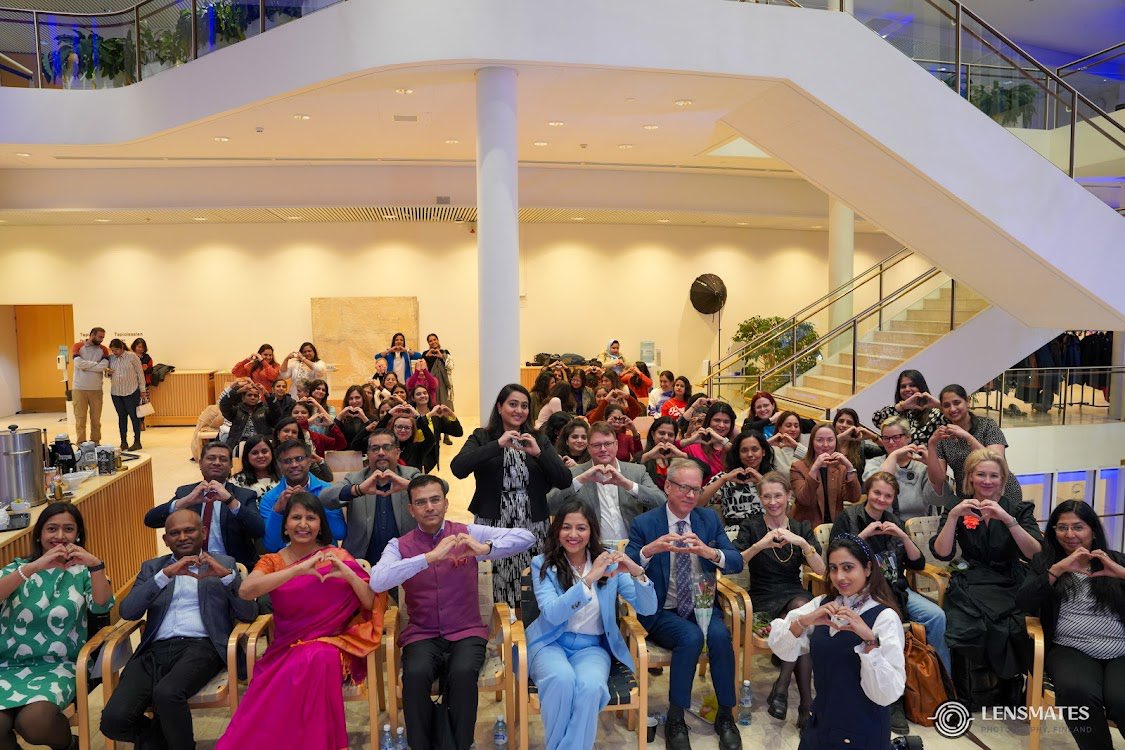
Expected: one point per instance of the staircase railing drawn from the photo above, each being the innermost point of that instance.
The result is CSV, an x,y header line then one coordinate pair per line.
x,y
789,326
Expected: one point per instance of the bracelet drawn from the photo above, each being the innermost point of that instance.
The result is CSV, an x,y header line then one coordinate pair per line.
x,y
1049,574
96,568
20,571
1011,525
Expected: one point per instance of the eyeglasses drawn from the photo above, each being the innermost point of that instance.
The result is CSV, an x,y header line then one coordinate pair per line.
x,y
293,460
894,437
687,489
603,446
380,448
1077,528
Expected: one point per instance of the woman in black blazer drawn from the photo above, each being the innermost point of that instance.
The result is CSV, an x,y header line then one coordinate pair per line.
x,y
514,467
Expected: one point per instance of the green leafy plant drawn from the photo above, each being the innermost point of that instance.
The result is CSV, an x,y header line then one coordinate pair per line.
x,y
1007,105
763,357
169,47
82,55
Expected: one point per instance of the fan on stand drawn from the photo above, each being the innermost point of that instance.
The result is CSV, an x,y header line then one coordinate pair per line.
x,y
708,295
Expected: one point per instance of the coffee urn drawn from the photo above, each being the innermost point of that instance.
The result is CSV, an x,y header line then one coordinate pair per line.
x,y
21,466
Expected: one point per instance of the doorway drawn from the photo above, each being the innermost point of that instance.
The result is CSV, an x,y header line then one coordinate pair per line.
x,y
42,332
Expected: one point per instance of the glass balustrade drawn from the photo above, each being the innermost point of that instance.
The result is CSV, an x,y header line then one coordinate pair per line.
x,y
1044,396
18,62
1100,78
87,51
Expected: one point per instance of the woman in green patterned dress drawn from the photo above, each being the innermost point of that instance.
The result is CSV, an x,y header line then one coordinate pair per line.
x,y
43,605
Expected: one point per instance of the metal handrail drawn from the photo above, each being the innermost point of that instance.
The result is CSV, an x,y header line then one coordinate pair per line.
x,y
780,397
1119,46
1064,374
853,325
808,311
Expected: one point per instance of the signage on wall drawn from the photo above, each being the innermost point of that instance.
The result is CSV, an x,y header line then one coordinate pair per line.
x,y
648,352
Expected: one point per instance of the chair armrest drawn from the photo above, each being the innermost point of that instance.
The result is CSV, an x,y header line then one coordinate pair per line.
x,y
1035,688
941,581
638,645
819,583
253,634
237,636
118,651
739,596
501,625
390,643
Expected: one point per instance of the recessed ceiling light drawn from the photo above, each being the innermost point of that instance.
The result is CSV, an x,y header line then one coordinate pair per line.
x,y
624,145
102,221
742,223
652,126
451,141
3,221
662,221
404,91
294,218
539,143
578,218
683,102
22,154
556,123
302,117
630,99
199,218
220,139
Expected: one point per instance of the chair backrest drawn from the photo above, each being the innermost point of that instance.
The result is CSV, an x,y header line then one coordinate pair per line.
x,y
363,564
210,418
643,425
529,605
343,462
242,572
823,534
922,529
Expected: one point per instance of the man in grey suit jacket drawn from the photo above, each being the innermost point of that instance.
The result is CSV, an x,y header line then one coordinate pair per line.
x,y
190,601
376,499
617,491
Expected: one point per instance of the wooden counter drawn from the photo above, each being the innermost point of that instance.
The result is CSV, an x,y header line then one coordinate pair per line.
x,y
181,397
113,509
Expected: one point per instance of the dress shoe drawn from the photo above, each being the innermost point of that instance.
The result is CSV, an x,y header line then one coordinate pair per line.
x,y
899,725
803,715
777,704
676,734
446,441
124,445
729,737
136,446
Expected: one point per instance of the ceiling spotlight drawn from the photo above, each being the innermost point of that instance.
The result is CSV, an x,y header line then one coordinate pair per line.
x,y
294,218
220,139
624,146
818,226
102,221
22,154
742,223
451,141
652,126
302,117
683,102
199,218
662,221
539,143
404,91
556,123
578,218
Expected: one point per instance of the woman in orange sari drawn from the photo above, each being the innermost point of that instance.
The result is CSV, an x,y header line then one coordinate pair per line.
x,y
326,621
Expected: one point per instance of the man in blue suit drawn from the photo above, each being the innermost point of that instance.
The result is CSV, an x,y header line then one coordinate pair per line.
x,y
190,601
675,544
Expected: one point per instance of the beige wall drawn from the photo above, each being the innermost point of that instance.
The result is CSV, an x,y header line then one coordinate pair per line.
x,y
9,364
206,296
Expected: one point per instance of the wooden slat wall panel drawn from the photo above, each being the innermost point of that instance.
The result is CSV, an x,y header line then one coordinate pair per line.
x,y
222,380
181,397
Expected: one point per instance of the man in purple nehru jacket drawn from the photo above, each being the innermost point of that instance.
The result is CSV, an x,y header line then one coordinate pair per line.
x,y
436,565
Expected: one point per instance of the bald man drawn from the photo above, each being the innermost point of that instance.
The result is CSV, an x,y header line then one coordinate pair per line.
x,y
189,600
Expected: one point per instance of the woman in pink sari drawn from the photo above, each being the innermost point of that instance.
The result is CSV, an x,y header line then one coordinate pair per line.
x,y
326,620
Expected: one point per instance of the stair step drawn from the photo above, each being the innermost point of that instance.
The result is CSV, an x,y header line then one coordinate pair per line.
x,y
827,384
872,362
865,375
963,292
912,338
920,326
811,396
972,305
898,352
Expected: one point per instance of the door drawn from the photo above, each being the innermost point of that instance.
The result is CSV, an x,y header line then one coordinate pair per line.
x,y
40,331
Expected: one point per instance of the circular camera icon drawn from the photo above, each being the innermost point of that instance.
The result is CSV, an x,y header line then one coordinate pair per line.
x,y
952,720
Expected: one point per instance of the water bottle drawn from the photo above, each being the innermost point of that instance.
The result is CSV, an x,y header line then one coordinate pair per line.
x,y
400,741
386,739
500,733
745,698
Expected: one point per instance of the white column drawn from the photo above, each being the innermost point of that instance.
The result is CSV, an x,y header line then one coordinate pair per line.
x,y
497,233
841,262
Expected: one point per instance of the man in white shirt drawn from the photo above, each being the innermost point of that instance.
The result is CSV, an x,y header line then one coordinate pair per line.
x,y
90,362
618,491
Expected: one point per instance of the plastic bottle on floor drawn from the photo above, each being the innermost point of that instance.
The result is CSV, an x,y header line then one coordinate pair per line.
x,y
500,733
745,699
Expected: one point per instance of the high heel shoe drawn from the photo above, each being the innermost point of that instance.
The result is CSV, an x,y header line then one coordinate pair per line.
x,y
777,704
803,714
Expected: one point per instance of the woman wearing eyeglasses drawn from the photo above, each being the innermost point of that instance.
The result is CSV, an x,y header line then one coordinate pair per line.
x,y
906,461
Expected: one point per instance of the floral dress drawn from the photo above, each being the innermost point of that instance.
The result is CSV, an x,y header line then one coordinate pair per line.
x,y
42,629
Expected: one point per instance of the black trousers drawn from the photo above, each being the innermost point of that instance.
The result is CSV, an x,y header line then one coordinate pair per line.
x,y
458,664
1095,684
163,676
126,407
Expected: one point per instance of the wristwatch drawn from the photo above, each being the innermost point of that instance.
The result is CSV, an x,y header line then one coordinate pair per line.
x,y
873,643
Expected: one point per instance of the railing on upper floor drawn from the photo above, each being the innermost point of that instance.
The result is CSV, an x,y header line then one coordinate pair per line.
x,y
1100,77
1042,396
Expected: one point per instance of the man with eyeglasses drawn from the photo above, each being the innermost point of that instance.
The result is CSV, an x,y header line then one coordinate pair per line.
x,y
294,459
445,639
378,507
678,545
617,491
906,461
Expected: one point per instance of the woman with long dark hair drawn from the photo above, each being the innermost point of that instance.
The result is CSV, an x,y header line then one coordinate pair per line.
x,y
514,466
823,480
140,348
127,389
735,490
580,390
259,367
962,433
854,637
259,472
398,357
637,378
571,644
541,390
45,599
353,419
559,399
303,364
681,392
1076,587
774,548
711,444
573,441
914,403
661,449
855,441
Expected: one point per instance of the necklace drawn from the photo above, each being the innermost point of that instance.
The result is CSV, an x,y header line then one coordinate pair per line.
x,y
790,546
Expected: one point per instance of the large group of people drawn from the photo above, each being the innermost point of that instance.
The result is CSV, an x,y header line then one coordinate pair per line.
x,y
576,512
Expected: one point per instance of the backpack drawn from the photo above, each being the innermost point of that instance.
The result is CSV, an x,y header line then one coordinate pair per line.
x,y
928,684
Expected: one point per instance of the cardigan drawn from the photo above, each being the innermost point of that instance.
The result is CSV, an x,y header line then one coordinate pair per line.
x,y
482,456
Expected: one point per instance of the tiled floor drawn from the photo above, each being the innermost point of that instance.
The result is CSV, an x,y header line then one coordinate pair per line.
x,y
172,467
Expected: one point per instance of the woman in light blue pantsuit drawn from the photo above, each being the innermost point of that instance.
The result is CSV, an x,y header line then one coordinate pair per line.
x,y
571,643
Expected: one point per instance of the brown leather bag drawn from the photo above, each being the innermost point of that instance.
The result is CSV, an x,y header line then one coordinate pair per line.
x,y
928,684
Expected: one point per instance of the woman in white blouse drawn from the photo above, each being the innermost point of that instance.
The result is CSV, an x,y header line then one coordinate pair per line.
x,y
854,633
127,388
303,364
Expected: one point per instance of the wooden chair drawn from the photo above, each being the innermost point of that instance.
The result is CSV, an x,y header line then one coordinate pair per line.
x,y
497,676
343,462
221,690
815,582
742,610
78,712
206,429
643,425
933,581
628,691
1039,696
260,632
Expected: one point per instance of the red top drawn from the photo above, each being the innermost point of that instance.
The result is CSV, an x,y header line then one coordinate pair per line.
x,y
639,385
264,375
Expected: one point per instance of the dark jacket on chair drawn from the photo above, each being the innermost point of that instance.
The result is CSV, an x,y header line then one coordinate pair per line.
x,y
240,530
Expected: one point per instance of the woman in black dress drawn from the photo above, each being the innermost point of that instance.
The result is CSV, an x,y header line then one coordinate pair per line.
x,y
774,548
